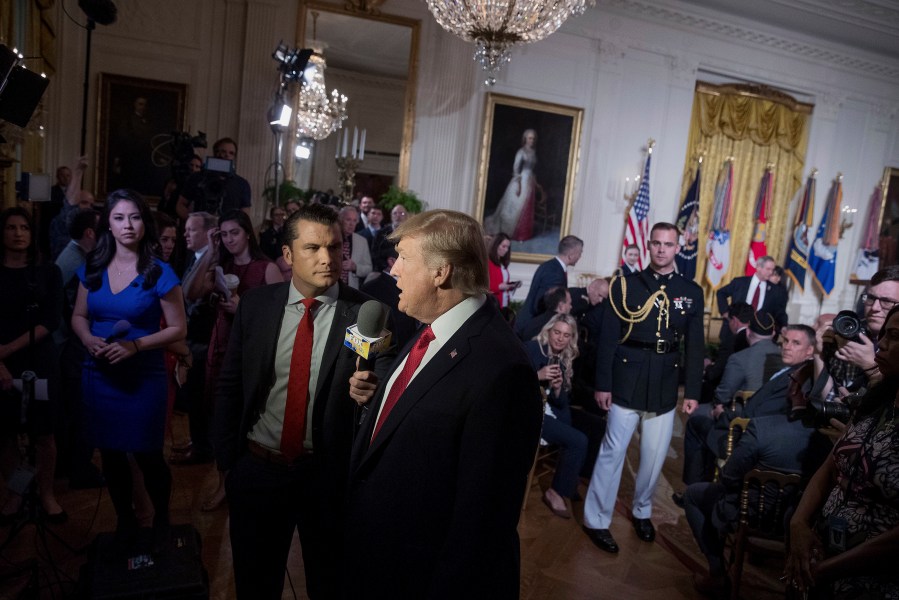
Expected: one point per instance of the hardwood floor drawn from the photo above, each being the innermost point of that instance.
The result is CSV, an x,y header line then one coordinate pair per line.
x,y
558,561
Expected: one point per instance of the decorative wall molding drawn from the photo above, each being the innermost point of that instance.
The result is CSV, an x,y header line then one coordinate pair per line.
x,y
883,116
683,70
887,70
827,106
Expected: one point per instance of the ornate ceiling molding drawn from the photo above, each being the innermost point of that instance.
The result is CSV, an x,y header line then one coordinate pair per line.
x,y
882,69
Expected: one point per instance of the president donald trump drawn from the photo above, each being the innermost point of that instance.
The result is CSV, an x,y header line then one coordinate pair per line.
x,y
439,465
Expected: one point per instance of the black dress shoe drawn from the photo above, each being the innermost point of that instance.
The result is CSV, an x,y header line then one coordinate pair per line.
x,y
678,499
645,530
603,539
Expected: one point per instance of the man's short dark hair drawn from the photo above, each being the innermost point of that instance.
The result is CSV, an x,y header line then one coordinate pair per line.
x,y
808,331
663,226
632,247
569,243
554,297
224,140
84,219
315,213
885,274
741,311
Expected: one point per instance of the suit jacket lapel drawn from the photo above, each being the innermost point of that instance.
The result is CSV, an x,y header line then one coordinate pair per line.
x,y
343,318
452,353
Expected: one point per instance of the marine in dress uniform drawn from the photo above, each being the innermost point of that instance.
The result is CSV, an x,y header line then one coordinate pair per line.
x,y
650,314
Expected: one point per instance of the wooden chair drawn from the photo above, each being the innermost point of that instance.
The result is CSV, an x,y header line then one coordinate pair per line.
x,y
764,502
736,424
544,459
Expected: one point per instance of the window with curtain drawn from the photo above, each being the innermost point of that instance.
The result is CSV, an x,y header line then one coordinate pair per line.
x,y
755,125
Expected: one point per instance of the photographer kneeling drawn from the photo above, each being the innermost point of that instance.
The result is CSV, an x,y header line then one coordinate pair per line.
x,y
844,536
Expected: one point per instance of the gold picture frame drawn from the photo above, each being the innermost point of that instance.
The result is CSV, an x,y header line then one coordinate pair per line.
x,y
528,186
133,136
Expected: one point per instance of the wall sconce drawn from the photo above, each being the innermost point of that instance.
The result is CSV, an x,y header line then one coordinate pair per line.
x,y
847,219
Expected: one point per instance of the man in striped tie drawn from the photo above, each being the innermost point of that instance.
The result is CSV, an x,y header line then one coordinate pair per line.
x,y
440,463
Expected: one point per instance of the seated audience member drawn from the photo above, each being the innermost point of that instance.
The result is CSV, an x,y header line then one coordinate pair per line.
x,y
382,287
356,264
775,397
270,238
850,364
738,319
844,535
370,230
557,301
745,371
552,354
772,443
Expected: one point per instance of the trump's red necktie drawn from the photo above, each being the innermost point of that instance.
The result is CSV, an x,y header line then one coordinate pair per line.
x,y
294,430
399,386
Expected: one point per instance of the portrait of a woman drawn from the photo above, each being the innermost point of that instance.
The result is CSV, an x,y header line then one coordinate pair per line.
x,y
515,211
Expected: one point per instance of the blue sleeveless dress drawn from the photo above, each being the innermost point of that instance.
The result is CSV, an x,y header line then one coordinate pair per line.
x,y
125,404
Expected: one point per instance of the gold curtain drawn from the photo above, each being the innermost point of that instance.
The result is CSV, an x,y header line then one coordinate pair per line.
x,y
756,126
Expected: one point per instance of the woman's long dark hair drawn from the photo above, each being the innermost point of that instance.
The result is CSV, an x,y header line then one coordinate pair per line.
x,y
104,252
241,218
17,211
883,394
493,253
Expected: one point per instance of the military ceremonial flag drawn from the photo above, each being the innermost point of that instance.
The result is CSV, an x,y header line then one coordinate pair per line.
x,y
717,247
688,225
867,261
636,230
823,256
797,256
758,247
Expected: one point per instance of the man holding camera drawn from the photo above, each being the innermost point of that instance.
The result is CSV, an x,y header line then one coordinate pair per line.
x,y
217,189
846,346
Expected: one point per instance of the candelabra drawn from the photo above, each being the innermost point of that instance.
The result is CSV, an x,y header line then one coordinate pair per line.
x,y
348,162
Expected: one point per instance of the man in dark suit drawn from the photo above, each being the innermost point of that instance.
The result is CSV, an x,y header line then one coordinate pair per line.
x,y
285,413
552,273
756,291
440,462
371,229
712,509
557,301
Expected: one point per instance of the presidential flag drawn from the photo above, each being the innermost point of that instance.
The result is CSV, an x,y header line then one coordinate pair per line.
x,y
797,256
688,226
823,255
758,247
636,230
717,247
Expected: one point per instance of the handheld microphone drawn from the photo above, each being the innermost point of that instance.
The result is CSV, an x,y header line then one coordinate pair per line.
x,y
368,336
119,330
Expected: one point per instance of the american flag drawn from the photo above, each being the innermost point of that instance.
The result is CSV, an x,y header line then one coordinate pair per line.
x,y
637,229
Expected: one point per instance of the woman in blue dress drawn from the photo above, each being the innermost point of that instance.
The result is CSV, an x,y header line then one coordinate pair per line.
x,y
123,294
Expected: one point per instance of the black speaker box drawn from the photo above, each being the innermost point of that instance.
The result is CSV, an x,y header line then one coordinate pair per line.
x,y
21,95
114,574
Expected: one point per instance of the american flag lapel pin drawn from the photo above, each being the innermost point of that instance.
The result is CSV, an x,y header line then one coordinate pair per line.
x,y
453,353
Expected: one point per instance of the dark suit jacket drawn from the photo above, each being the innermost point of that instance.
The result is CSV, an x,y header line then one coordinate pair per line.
x,y
248,374
775,297
368,235
548,275
434,501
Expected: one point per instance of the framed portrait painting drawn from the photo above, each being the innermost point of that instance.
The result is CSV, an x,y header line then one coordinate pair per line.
x,y
134,129
526,174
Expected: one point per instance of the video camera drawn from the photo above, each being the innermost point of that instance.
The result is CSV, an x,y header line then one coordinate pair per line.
x,y
183,145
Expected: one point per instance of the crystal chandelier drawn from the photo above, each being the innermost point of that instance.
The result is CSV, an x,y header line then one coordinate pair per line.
x,y
317,115
497,25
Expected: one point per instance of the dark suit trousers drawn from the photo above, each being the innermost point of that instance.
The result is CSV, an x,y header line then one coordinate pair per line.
x,y
699,503
267,503
699,461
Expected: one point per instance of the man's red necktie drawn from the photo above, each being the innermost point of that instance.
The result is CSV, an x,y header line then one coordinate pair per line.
x,y
756,296
294,430
405,376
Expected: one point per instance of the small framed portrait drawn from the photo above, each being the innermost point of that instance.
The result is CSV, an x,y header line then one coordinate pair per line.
x,y
526,174
135,123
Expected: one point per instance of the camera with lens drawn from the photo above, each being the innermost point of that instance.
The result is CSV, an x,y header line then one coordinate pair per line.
x,y
848,326
818,413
